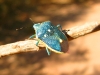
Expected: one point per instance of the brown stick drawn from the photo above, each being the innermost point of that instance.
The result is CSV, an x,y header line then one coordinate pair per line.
x,y
29,45
78,31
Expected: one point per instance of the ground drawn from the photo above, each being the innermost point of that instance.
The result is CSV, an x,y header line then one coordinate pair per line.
x,y
83,56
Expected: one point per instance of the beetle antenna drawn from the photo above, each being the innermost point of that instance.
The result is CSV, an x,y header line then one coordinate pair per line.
x,y
31,19
25,27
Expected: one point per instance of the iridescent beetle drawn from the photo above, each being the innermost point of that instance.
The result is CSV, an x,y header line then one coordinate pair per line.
x,y
50,35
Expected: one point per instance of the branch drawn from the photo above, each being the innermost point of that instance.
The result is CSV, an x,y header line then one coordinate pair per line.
x,y
78,31
29,45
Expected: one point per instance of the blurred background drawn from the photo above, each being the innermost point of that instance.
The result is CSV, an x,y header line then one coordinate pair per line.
x,y
84,53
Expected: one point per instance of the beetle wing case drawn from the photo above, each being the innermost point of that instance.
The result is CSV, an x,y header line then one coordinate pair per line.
x,y
51,35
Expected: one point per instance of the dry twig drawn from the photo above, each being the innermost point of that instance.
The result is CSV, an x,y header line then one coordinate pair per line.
x,y
29,45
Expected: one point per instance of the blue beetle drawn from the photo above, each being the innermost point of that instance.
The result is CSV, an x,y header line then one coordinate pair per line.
x,y
52,36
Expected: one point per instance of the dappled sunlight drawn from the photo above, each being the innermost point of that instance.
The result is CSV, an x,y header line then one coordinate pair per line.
x,y
39,18
83,53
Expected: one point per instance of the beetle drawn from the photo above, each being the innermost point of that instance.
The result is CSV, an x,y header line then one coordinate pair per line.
x,y
52,36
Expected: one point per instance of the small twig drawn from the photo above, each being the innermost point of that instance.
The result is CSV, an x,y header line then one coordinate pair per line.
x,y
29,45
21,46
78,31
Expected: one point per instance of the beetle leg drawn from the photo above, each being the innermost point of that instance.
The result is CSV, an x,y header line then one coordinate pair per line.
x,y
59,26
48,52
37,42
32,36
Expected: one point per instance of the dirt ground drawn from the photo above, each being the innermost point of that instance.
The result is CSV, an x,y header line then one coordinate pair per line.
x,y
83,56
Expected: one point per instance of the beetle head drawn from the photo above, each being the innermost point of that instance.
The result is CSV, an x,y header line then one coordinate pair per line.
x,y
36,26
